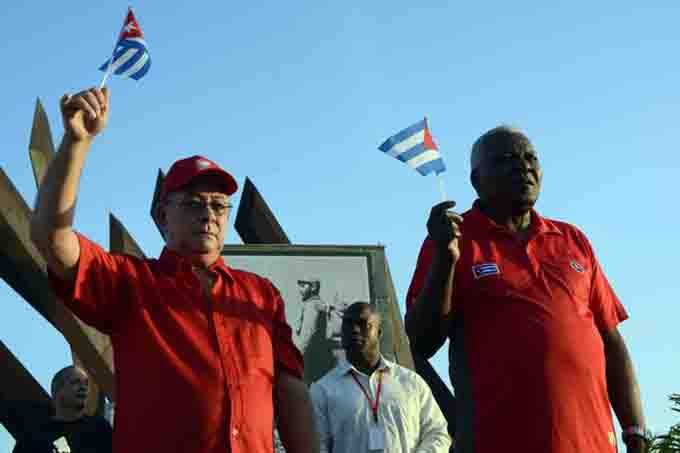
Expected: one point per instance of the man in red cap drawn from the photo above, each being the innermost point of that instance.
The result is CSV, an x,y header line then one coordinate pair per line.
x,y
204,355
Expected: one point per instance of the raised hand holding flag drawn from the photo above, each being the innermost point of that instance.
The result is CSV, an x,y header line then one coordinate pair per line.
x,y
130,56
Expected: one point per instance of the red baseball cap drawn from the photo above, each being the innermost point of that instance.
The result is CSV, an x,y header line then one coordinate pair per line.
x,y
184,171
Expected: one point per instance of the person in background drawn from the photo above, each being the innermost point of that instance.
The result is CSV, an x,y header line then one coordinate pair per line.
x,y
68,428
367,403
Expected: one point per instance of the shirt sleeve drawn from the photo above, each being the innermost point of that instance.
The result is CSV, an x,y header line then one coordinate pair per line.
x,y
606,307
434,436
320,403
286,354
95,296
420,272
604,304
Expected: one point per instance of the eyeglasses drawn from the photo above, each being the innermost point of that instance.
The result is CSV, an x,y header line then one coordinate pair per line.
x,y
198,207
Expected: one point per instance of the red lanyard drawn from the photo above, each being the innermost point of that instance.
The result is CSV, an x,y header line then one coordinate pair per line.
x,y
374,406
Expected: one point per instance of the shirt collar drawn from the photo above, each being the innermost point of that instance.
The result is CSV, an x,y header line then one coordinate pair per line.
x,y
172,262
479,222
344,367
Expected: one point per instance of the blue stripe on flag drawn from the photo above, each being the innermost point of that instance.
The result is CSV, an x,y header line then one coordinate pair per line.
x,y
436,166
142,72
131,62
411,152
139,48
403,135
485,269
120,51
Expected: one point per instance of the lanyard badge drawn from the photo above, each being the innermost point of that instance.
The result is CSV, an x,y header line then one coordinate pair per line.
x,y
376,430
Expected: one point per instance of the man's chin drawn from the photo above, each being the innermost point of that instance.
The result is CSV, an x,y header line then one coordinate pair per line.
x,y
206,247
524,203
79,405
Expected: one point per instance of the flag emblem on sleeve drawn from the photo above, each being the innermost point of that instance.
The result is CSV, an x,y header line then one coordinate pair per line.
x,y
485,270
130,57
415,147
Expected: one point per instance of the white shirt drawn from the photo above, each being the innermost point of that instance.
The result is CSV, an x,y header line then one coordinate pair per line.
x,y
411,418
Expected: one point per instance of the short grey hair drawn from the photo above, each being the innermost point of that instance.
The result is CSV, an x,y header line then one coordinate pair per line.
x,y
479,147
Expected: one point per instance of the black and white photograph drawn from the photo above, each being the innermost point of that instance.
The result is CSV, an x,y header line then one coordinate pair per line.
x,y
315,289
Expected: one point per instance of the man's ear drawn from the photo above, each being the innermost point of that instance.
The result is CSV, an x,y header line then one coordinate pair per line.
x,y
161,218
474,179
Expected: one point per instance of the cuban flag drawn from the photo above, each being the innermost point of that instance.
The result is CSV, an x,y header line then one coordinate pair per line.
x,y
415,147
485,269
130,56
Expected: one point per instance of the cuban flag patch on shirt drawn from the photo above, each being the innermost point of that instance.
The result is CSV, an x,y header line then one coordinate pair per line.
x,y
577,267
485,270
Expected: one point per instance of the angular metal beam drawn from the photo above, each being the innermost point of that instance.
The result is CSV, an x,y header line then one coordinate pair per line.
x,y
21,396
41,147
156,199
255,222
24,269
401,346
121,241
21,265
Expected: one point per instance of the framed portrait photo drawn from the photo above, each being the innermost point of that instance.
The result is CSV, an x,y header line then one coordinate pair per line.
x,y
317,282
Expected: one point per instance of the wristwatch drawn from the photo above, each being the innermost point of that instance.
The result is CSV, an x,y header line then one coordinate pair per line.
x,y
634,431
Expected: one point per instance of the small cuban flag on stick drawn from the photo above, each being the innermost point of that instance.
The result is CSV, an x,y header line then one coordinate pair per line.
x,y
130,56
415,147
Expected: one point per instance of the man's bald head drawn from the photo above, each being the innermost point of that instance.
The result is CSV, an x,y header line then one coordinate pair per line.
x,y
70,388
62,376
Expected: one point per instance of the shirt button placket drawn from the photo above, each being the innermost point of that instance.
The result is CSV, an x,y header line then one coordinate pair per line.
x,y
526,255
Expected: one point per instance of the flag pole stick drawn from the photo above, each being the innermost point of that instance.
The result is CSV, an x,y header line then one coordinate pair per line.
x,y
442,190
107,73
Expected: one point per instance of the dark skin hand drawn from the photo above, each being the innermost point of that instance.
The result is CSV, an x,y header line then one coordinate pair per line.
x,y
428,320
636,445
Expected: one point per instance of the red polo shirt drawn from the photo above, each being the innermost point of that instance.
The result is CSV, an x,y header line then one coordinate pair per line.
x,y
527,358
194,373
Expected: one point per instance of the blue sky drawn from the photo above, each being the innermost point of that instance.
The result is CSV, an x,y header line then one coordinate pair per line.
x,y
298,95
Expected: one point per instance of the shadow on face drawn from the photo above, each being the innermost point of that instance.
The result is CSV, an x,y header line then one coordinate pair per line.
x,y
71,388
361,329
508,174
195,218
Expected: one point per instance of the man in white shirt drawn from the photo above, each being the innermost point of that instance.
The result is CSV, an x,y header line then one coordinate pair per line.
x,y
367,403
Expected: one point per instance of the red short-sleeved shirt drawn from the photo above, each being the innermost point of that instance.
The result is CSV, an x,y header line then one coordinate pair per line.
x,y
526,352
192,374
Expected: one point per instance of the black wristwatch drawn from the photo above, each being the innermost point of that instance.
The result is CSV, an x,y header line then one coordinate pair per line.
x,y
634,431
